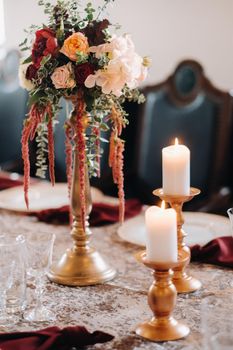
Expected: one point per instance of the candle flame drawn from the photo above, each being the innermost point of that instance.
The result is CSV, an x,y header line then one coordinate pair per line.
x,y
163,205
176,141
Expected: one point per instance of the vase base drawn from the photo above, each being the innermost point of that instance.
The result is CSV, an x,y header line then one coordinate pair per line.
x,y
158,331
82,268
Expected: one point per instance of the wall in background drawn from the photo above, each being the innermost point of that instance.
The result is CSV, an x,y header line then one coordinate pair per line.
x,y
2,24
166,30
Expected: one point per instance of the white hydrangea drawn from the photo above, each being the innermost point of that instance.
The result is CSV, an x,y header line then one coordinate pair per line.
x,y
124,68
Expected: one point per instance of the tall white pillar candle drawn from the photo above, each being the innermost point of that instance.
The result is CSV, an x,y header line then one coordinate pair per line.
x,y
176,170
161,234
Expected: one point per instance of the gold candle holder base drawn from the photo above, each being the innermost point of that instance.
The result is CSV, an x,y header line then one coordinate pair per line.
x,y
184,283
81,269
162,300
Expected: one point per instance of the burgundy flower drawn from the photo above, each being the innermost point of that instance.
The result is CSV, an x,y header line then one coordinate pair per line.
x,y
82,71
45,44
31,72
94,31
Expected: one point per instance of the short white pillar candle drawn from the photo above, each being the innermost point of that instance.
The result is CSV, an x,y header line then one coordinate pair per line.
x,y
176,169
161,234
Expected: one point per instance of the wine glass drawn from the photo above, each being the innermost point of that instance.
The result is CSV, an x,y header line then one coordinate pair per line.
x,y
13,278
39,256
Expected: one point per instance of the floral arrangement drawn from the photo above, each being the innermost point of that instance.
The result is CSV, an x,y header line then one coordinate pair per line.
x,y
76,57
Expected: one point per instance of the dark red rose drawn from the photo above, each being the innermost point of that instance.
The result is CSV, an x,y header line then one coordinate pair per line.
x,y
45,44
94,31
31,72
82,71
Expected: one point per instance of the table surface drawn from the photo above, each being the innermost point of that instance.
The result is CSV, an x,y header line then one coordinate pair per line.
x,y
119,305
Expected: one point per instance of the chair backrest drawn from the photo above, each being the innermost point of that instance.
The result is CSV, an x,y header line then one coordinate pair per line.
x,y
13,106
189,107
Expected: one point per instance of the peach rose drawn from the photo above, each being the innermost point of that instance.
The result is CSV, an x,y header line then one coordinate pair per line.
x,y
74,44
62,77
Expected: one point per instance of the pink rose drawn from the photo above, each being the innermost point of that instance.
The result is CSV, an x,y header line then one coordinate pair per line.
x,y
62,77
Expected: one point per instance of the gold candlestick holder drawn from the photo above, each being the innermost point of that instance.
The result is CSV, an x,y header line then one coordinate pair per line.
x,y
81,265
162,300
184,283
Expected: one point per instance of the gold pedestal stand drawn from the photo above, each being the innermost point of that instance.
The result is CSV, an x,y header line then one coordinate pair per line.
x,y
80,265
162,300
183,282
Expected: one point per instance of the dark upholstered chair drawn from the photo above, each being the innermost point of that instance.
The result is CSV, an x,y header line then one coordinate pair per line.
x,y
13,106
189,107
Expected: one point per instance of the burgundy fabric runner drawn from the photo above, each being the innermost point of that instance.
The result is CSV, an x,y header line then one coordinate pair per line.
x,y
52,338
219,251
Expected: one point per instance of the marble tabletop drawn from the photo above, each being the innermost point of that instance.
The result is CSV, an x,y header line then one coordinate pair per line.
x,y
119,305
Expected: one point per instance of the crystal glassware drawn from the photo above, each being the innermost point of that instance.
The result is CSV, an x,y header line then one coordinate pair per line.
x,y
13,278
16,294
39,257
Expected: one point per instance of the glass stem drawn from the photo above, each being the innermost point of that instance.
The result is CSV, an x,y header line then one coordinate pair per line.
x,y
39,293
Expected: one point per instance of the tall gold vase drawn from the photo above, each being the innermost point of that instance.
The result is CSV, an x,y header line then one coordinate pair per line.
x,y
81,265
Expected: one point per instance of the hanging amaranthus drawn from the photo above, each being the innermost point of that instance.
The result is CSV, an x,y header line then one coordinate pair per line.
x,y
116,161
96,132
36,116
25,156
68,151
30,126
120,178
50,143
116,158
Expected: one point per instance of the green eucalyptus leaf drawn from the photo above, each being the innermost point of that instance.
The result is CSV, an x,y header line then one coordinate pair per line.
x,y
27,60
36,98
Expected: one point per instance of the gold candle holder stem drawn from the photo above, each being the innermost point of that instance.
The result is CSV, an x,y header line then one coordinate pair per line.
x,y
178,206
81,265
184,283
162,300
80,235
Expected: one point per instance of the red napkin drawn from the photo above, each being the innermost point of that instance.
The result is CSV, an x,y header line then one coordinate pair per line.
x,y
219,251
101,214
52,338
6,182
